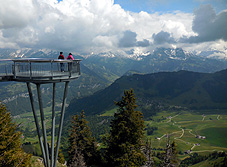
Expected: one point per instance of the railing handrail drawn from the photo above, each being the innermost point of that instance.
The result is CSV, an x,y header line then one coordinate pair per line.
x,y
5,60
37,60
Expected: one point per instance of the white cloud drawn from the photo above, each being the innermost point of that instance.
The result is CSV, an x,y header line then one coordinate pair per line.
x,y
105,41
208,25
83,25
15,13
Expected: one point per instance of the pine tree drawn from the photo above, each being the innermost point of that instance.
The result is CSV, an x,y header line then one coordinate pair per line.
x,y
11,153
82,146
148,153
126,134
174,160
76,159
170,159
61,158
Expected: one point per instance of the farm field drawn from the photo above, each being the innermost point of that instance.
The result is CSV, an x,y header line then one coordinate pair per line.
x,y
27,127
192,132
27,123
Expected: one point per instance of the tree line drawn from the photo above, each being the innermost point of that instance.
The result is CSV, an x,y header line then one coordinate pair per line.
x,y
123,146
196,158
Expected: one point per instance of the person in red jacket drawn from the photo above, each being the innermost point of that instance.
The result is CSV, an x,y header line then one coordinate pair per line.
x,y
61,56
70,57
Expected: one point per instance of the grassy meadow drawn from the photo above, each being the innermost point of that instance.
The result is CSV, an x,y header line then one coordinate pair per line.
x,y
199,133
192,131
184,127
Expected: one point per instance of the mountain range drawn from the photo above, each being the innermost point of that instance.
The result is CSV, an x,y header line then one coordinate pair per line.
x,y
100,70
162,59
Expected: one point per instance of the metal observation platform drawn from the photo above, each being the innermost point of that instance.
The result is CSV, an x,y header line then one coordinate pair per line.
x,y
42,71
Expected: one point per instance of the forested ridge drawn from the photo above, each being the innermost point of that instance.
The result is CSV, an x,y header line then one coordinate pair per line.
x,y
197,91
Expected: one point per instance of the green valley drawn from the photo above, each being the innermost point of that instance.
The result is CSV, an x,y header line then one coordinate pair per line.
x,y
193,132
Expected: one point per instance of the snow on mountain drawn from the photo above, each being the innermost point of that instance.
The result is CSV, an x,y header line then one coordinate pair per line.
x,y
26,53
20,53
135,54
177,54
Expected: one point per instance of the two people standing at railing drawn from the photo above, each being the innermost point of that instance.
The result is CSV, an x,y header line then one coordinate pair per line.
x,y
70,57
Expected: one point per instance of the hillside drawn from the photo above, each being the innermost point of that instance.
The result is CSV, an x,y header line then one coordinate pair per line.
x,y
197,91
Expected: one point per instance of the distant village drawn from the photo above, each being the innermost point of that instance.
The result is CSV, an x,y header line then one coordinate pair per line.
x,y
200,137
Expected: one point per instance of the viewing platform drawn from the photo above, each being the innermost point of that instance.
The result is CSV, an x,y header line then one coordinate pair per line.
x,y
39,70
43,71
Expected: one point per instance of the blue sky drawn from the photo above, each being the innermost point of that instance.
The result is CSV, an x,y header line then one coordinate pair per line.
x,y
163,6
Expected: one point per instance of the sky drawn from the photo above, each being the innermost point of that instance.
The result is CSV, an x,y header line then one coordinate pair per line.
x,y
86,26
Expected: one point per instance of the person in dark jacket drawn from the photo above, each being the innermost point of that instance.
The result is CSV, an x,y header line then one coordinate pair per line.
x,y
61,56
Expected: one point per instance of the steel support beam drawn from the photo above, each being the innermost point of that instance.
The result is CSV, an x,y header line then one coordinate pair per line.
x,y
43,141
53,125
43,124
61,122
36,123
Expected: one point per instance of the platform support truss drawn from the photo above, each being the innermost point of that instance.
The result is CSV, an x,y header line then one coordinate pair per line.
x,y
49,161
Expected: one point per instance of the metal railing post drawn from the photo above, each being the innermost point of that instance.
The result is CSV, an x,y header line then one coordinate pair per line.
x,y
51,68
30,70
6,70
14,69
78,68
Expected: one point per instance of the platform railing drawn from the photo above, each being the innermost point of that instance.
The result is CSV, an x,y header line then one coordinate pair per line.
x,y
33,68
6,67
